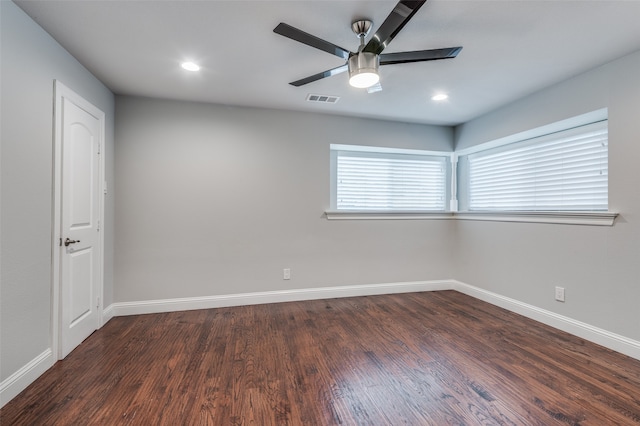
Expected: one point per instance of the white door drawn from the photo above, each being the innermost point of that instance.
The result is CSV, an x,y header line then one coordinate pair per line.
x,y
79,241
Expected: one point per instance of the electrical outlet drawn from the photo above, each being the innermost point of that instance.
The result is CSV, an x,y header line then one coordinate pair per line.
x,y
560,294
286,274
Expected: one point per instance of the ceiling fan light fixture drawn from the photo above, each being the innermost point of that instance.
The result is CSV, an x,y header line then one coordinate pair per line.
x,y
363,70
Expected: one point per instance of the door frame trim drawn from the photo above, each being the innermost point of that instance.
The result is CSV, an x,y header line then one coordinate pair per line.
x,y
63,92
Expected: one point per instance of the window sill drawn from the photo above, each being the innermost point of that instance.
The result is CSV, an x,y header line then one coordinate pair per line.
x,y
562,218
378,215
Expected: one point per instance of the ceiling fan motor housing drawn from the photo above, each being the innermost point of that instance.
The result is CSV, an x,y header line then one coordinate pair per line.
x,y
363,69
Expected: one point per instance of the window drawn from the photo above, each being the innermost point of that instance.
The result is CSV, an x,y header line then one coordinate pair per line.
x,y
564,171
387,180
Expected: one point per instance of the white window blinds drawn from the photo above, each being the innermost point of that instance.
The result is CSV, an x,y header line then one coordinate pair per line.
x,y
390,182
565,171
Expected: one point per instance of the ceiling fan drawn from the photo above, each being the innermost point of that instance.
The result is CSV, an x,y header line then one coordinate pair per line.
x,y
363,64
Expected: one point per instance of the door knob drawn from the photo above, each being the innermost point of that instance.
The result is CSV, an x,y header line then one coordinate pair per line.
x,y
68,241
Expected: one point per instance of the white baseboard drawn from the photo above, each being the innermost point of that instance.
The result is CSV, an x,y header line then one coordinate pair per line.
x,y
107,314
207,302
18,381
586,331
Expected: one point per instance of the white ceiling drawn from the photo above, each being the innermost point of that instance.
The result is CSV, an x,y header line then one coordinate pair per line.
x,y
511,48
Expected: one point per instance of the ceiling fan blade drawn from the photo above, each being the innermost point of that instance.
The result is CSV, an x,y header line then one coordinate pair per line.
x,y
397,19
419,55
310,40
320,76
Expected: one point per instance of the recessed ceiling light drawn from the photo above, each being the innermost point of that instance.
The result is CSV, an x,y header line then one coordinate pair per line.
x,y
190,66
439,97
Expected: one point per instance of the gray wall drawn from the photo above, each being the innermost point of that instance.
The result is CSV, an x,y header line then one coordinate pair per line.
x,y
598,266
214,200
31,60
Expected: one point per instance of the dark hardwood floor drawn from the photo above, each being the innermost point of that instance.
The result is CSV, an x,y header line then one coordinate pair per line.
x,y
436,358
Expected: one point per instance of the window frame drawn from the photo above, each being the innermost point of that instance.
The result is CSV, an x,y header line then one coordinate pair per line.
x,y
385,152
536,166
455,175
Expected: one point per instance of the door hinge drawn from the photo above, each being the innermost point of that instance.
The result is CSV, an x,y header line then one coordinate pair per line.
x,y
98,230
60,243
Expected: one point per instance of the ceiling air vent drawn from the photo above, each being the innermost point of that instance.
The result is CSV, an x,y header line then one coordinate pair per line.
x,y
324,99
